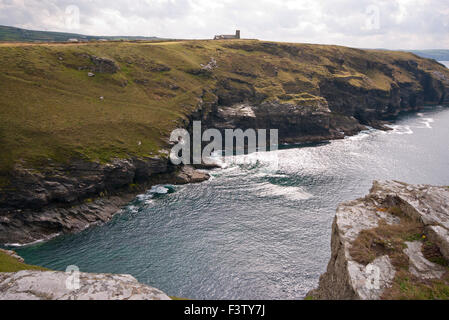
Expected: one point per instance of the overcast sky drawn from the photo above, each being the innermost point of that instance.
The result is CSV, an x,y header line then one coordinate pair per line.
x,y
394,24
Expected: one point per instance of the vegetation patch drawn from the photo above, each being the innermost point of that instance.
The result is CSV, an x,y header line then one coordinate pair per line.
x,y
390,240
11,264
408,287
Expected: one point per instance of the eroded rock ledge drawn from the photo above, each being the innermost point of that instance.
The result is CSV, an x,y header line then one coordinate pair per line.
x,y
52,285
392,244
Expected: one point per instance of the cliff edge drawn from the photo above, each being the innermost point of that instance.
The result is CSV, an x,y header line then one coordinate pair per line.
x,y
19,281
392,244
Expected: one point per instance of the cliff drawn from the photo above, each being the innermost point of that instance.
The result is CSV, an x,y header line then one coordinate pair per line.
x,y
392,244
84,127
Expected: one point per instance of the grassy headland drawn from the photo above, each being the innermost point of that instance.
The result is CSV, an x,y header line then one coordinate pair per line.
x,y
51,110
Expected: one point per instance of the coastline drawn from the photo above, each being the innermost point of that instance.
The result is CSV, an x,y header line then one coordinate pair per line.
x,y
103,209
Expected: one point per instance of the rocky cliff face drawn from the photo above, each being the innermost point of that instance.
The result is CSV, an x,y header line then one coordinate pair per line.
x,y
392,244
340,104
67,199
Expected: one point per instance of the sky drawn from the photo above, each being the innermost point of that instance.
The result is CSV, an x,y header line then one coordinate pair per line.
x,y
391,24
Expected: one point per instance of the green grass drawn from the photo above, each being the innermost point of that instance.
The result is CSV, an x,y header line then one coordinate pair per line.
x,y
10,264
406,287
51,110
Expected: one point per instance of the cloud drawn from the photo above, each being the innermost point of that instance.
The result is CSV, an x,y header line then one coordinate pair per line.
x,y
395,24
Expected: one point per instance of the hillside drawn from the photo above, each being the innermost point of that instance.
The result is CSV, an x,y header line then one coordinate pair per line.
x,y
22,35
68,137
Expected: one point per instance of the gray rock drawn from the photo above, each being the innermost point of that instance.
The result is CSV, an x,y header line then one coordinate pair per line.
x,y
210,66
428,204
370,281
347,279
104,65
419,265
52,285
188,174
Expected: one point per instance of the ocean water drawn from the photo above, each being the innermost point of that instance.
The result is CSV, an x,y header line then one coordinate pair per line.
x,y
254,231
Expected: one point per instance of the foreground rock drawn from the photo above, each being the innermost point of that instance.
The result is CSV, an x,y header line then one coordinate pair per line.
x,y
392,244
51,285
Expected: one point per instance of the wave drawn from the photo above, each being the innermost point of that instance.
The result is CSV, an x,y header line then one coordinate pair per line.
x,y
400,129
427,123
20,245
288,192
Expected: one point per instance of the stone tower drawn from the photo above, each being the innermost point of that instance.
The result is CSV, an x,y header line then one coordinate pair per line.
x,y
237,34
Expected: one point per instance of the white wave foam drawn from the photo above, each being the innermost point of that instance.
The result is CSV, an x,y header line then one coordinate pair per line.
x,y
143,197
132,209
358,137
288,192
400,129
159,190
19,245
427,123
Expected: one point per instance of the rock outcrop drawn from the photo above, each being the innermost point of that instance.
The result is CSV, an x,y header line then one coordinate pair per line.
x,y
103,65
391,244
306,121
52,285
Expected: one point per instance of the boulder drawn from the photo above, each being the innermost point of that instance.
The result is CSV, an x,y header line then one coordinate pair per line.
x,y
104,65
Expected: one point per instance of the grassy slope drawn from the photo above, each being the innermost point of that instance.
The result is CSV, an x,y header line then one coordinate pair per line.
x,y
10,264
51,110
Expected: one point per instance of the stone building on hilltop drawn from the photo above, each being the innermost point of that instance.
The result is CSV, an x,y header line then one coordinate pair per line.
x,y
225,36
